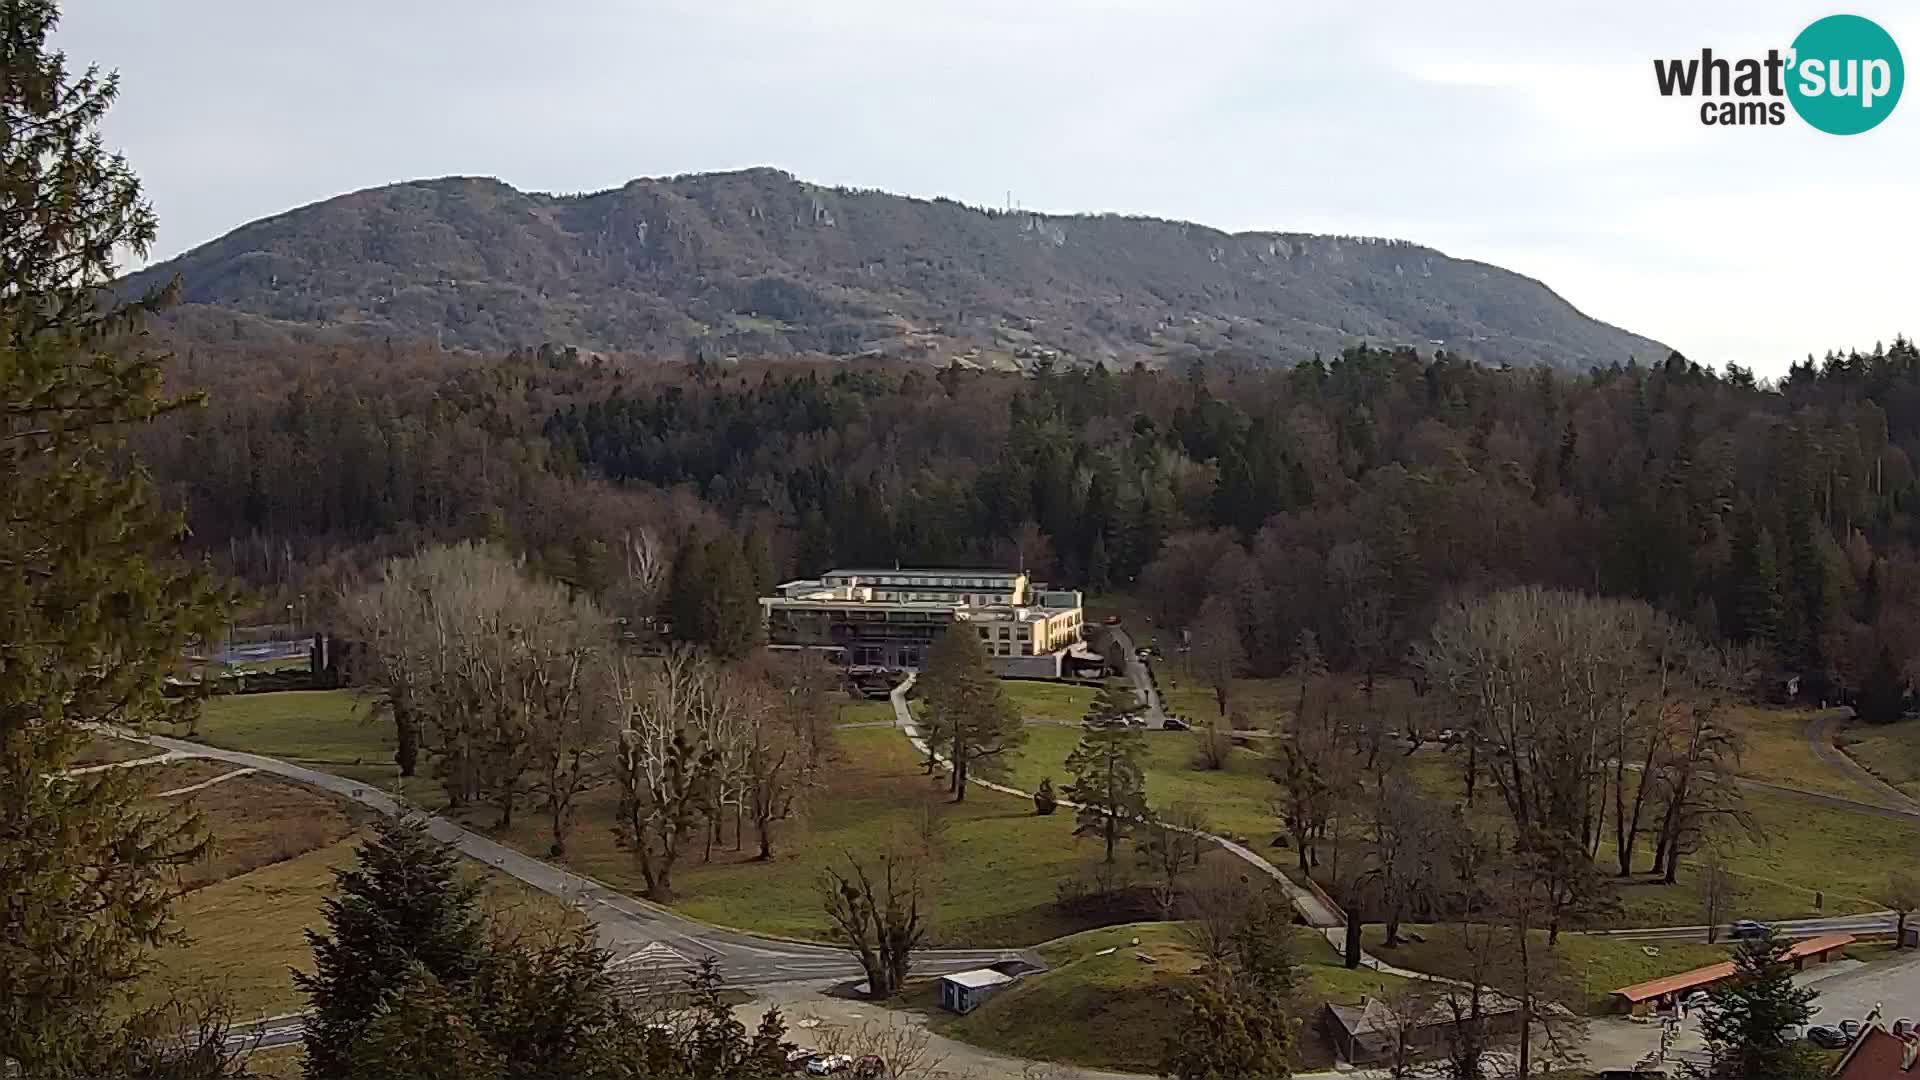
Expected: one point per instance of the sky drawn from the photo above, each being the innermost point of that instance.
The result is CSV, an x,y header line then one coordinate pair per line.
x,y
1525,134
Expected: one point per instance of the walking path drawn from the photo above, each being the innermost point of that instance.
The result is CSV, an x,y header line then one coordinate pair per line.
x,y
1820,740
1324,921
624,924
157,759
204,784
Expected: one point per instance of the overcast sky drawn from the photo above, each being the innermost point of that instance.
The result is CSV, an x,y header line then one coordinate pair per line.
x,y
1523,133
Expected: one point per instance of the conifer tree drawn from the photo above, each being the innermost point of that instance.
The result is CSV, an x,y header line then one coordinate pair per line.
x,y
93,610
968,716
403,916
1751,1009
1109,777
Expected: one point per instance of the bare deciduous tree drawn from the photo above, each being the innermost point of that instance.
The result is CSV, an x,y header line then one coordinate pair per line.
x,y
906,1048
875,907
1215,905
1215,657
487,668
1901,894
1716,891
663,764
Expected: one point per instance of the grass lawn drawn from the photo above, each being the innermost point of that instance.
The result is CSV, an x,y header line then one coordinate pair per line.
x,y
1598,965
1116,1011
247,932
862,711
330,730
244,933
1058,701
990,873
1237,798
1805,852
1776,751
1889,751
313,727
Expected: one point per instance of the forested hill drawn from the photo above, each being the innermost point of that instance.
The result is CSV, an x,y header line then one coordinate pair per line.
x,y
757,263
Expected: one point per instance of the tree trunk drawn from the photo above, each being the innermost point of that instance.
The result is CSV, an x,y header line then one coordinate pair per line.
x,y
1352,958
1473,767
406,734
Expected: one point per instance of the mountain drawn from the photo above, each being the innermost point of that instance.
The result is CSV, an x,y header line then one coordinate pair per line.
x,y
759,263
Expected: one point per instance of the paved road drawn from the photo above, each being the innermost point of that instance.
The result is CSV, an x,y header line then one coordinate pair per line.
x,y
624,924
1877,922
1142,681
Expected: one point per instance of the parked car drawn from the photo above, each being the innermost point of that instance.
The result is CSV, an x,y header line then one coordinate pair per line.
x,y
797,1059
1111,620
1850,1028
1696,1000
869,1067
1902,1028
1827,1036
1174,723
1748,928
828,1064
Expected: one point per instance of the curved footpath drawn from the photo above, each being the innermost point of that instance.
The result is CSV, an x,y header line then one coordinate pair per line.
x,y
790,973
1821,733
623,923
1325,921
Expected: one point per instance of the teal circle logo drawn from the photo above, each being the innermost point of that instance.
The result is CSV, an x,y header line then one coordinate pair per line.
x,y
1846,74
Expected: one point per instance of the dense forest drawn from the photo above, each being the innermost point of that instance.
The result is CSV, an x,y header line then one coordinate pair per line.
x,y
1348,497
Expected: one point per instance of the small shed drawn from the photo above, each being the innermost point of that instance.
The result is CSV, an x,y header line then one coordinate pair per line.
x,y
963,991
1368,1034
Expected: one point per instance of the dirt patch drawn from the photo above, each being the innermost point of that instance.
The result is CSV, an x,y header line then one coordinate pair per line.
x,y
106,749
171,775
258,820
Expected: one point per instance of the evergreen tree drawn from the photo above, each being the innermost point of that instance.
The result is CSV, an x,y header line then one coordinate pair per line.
x,y
1229,1033
1099,566
1265,959
1753,604
730,620
1109,777
1883,693
713,598
403,916
969,718
760,568
687,587
419,1030
92,612
1751,1010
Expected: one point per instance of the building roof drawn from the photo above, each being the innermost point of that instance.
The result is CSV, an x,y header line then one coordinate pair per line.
x,y
1713,973
1373,1016
978,978
1879,1055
